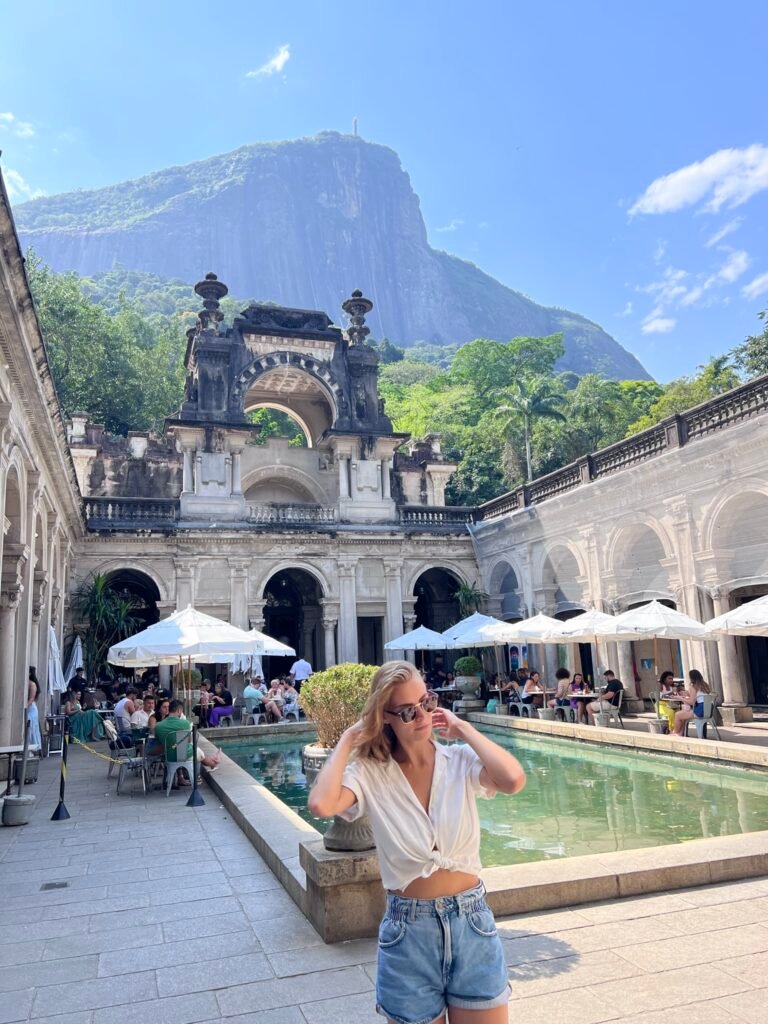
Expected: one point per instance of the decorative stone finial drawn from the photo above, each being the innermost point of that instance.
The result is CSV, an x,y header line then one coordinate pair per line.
x,y
356,309
211,290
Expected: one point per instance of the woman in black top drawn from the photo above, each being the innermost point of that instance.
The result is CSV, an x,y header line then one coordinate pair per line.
x,y
222,704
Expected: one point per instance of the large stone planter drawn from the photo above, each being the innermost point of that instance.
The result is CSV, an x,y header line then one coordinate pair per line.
x,y
468,684
17,810
350,836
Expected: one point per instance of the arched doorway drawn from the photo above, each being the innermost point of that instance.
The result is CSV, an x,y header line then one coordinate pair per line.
x,y
292,614
436,607
141,590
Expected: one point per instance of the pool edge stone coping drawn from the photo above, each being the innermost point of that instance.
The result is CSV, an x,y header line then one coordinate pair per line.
x,y
341,893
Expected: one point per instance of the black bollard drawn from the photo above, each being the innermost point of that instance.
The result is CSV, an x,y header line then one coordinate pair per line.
x,y
195,797
61,813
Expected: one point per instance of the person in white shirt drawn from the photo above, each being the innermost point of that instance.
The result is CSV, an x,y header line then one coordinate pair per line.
x,y
438,944
140,717
301,670
124,709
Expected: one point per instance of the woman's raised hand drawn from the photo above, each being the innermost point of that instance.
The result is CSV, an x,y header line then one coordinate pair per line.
x,y
446,724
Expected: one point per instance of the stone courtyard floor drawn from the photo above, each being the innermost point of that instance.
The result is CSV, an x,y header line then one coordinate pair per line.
x,y
170,917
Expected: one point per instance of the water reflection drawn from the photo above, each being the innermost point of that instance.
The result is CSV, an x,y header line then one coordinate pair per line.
x,y
578,799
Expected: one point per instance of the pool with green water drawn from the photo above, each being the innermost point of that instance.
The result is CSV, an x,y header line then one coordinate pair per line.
x,y
579,798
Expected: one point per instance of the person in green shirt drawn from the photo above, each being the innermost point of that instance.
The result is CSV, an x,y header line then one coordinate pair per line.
x,y
166,730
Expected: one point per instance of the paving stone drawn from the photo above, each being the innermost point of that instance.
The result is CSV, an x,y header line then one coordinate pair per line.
x,y
722,915
695,1013
672,988
36,975
630,909
103,942
214,974
581,1007
12,953
323,957
159,915
657,956
171,954
16,1005
261,906
186,1009
290,931
751,1007
360,1009
566,973
99,992
50,928
614,934
267,995
81,1017
207,925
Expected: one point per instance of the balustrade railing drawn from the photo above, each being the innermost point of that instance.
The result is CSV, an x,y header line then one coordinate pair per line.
x,y
674,432
130,512
436,515
286,514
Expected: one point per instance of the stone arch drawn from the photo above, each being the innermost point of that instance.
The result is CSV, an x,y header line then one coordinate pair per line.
x,y
291,373
135,565
15,507
285,408
307,567
435,606
307,488
293,602
506,586
448,565
561,575
637,554
736,533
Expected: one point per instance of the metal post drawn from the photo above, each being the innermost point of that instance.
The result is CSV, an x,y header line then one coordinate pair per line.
x,y
61,813
195,797
24,755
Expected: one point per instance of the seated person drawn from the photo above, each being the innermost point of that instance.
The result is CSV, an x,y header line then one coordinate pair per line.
x,y
694,701
290,696
140,717
274,701
561,698
253,695
609,697
178,748
83,724
222,704
124,708
533,690
667,688
202,708
578,686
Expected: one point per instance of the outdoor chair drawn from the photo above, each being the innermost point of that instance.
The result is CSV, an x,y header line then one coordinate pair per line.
x,y
227,720
614,712
710,710
528,711
118,750
250,712
291,711
181,738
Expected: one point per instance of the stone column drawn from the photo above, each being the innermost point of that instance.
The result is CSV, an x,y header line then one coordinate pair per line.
x,y
550,663
238,592
10,600
256,613
386,467
237,481
185,584
393,622
409,623
343,476
187,485
625,671
347,612
330,618
735,707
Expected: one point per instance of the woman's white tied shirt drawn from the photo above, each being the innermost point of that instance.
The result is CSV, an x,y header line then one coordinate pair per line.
x,y
412,843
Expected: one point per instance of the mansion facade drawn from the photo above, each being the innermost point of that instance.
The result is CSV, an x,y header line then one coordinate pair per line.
x,y
340,545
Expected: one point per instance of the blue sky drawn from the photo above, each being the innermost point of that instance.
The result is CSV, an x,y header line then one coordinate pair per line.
x,y
609,158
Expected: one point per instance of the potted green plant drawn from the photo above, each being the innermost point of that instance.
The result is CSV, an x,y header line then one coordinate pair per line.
x,y
334,700
468,672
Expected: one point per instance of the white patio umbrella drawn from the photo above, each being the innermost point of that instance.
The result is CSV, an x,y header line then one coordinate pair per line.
x,y
75,659
588,628
185,634
251,663
656,621
470,625
751,619
421,639
56,680
534,630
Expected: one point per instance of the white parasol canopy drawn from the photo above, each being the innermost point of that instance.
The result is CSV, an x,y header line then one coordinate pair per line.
x,y
188,634
533,630
656,621
421,639
56,681
251,664
589,627
75,659
470,625
751,619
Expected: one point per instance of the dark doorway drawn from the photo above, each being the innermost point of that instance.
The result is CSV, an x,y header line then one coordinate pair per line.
x,y
757,653
370,641
292,615
436,607
142,590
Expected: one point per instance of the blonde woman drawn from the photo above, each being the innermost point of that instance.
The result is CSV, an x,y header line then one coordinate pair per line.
x,y
438,947
694,701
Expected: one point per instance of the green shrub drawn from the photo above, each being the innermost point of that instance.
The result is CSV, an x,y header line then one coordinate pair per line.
x,y
334,699
468,666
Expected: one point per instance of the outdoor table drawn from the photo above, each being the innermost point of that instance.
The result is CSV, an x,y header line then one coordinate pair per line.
x,y
9,752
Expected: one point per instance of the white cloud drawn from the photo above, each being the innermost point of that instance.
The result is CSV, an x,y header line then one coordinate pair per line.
x,y
452,226
660,251
727,178
274,65
627,311
18,188
757,287
730,271
658,325
21,129
725,230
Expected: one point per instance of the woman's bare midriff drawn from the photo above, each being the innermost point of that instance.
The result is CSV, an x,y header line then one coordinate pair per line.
x,y
441,883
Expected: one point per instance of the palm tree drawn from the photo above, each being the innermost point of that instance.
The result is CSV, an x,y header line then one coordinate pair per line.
x,y
528,400
470,597
110,617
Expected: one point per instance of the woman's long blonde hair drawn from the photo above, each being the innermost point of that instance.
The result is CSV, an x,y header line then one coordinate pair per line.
x,y
698,681
377,740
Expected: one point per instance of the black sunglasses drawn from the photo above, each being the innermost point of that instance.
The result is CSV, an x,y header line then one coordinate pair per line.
x,y
428,704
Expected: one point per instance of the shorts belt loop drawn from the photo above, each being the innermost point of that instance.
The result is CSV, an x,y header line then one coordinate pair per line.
x,y
411,911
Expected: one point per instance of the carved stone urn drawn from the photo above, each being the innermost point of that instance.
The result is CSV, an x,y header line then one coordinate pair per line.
x,y
350,836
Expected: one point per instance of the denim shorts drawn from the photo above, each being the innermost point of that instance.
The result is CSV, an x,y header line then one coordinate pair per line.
x,y
438,953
